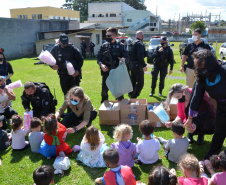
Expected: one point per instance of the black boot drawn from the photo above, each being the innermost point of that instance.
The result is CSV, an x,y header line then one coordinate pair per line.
x,y
200,139
190,138
160,92
152,93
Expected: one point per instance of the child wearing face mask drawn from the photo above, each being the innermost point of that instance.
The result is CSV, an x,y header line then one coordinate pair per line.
x,y
6,69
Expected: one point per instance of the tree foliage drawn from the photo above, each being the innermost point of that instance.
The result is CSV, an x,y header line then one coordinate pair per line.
x,y
198,24
82,6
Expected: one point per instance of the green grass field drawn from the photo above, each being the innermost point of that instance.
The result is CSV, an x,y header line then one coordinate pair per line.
x,y
17,167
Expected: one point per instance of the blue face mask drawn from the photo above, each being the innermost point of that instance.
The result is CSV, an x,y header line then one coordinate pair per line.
x,y
74,102
2,87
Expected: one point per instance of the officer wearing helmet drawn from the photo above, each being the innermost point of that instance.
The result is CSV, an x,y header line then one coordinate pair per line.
x,y
163,56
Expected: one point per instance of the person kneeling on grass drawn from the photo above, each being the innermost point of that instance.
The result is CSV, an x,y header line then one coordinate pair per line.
x,y
175,148
117,174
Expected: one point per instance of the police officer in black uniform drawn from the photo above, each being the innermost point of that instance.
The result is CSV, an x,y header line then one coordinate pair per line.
x,y
163,56
91,48
108,58
137,65
63,52
83,46
40,98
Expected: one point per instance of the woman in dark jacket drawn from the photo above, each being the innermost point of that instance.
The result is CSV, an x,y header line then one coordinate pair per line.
x,y
6,69
210,77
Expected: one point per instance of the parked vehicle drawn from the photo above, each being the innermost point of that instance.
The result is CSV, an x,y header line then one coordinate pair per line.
x,y
222,51
183,33
153,43
183,45
175,32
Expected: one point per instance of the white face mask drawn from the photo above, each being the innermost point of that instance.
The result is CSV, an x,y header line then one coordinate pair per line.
x,y
195,38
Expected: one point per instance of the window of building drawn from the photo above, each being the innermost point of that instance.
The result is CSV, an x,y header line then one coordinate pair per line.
x,y
106,14
97,39
154,24
112,15
93,15
151,24
63,18
33,16
39,16
129,20
19,16
24,16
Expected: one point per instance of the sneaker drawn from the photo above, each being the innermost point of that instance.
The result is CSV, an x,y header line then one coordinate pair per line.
x,y
152,93
200,139
137,161
160,94
190,138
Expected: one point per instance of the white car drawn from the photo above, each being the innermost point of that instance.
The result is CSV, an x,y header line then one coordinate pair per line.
x,y
222,51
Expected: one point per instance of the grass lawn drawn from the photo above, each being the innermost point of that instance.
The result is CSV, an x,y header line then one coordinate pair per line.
x,y
17,167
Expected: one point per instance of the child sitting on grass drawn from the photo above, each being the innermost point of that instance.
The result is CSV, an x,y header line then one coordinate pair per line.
x,y
53,136
177,147
189,164
149,147
43,175
18,134
36,136
92,148
118,174
161,175
4,139
127,150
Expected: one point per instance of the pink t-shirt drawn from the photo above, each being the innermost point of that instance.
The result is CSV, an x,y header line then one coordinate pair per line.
x,y
193,181
219,178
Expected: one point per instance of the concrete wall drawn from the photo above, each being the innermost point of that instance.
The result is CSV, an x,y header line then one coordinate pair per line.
x,y
18,36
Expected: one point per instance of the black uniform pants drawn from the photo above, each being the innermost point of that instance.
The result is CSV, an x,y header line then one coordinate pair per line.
x,y
137,79
72,120
84,53
8,113
92,52
220,131
67,82
155,71
104,92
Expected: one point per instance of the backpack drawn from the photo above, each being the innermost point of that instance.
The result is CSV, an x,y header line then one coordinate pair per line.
x,y
132,50
52,98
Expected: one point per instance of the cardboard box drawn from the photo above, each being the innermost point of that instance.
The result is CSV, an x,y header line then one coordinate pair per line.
x,y
133,114
152,117
173,109
109,116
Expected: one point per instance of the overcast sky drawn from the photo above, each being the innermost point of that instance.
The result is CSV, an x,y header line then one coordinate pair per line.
x,y
167,9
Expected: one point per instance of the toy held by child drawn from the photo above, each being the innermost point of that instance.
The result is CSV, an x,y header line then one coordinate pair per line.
x,y
36,136
118,174
149,147
189,164
53,136
161,175
92,148
4,139
127,150
18,134
43,175
177,147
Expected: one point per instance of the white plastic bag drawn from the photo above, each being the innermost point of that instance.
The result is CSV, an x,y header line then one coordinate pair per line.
x,y
118,81
60,164
161,113
70,68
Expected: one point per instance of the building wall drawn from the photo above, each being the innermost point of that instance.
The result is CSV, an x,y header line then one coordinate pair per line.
x,y
18,36
47,13
74,40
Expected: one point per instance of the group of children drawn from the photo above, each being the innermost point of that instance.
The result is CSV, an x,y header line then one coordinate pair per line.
x,y
120,156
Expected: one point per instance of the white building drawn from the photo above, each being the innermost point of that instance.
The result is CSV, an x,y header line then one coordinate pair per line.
x,y
123,15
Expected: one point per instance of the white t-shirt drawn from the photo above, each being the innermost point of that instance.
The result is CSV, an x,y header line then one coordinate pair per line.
x,y
4,100
148,151
18,138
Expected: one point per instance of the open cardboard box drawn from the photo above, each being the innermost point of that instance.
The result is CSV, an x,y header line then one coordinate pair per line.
x,y
133,114
152,117
109,116
173,109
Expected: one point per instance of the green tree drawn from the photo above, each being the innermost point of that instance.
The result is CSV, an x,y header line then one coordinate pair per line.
x,y
198,24
82,6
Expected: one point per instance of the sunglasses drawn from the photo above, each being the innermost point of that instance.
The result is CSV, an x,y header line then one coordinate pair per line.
x,y
108,36
74,100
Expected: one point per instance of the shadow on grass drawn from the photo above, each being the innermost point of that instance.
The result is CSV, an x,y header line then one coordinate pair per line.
x,y
3,152
57,177
17,156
